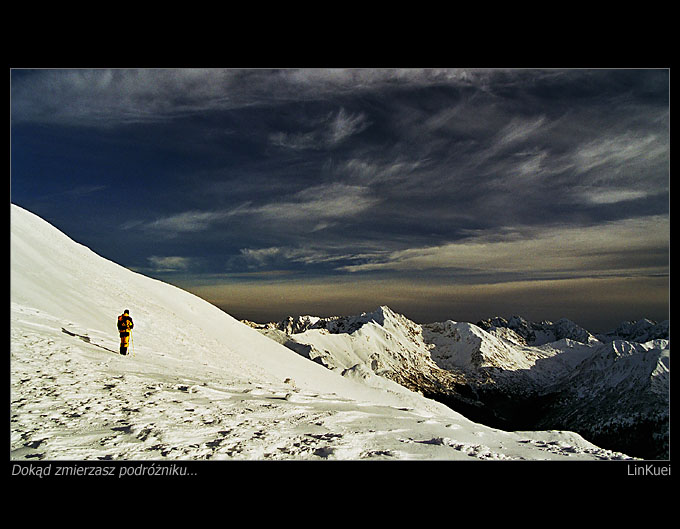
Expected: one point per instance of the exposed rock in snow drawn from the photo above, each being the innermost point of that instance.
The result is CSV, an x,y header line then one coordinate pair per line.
x,y
640,331
539,333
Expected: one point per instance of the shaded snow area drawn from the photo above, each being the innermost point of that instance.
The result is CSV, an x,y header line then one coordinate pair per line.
x,y
200,384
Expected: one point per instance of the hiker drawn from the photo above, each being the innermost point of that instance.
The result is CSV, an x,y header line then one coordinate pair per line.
x,y
125,325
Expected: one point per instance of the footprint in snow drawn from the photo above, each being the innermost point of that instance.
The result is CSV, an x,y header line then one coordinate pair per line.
x,y
123,429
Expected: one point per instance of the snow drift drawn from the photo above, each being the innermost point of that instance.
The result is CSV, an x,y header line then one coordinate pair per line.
x,y
201,384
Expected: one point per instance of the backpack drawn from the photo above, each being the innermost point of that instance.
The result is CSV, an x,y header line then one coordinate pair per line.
x,y
124,322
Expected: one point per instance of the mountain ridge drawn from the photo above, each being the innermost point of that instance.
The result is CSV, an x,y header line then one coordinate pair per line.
x,y
482,368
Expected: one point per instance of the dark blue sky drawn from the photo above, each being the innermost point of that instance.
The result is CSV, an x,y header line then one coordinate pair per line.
x,y
446,194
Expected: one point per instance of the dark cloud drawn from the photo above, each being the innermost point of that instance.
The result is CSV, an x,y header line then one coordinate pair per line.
x,y
494,175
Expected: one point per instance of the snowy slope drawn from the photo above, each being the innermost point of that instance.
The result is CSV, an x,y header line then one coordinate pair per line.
x,y
619,396
201,384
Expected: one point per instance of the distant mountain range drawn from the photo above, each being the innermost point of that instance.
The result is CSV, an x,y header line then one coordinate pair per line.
x,y
512,374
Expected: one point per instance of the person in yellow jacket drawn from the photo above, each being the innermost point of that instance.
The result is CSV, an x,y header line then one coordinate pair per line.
x,y
125,325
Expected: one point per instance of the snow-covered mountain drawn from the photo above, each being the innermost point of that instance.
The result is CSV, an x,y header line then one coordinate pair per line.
x,y
640,331
618,396
202,385
508,373
382,343
539,333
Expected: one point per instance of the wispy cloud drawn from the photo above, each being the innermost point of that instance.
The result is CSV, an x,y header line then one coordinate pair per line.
x,y
169,263
612,196
380,169
311,209
185,222
111,97
104,97
329,132
618,150
570,251
307,255
343,125
519,130
319,203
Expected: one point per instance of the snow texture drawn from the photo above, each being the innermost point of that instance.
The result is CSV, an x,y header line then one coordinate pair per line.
x,y
202,385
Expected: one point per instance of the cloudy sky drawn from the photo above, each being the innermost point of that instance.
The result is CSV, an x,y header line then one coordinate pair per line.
x,y
445,194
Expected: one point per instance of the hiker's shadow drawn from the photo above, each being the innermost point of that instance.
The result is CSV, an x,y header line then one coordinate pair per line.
x,y
86,339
